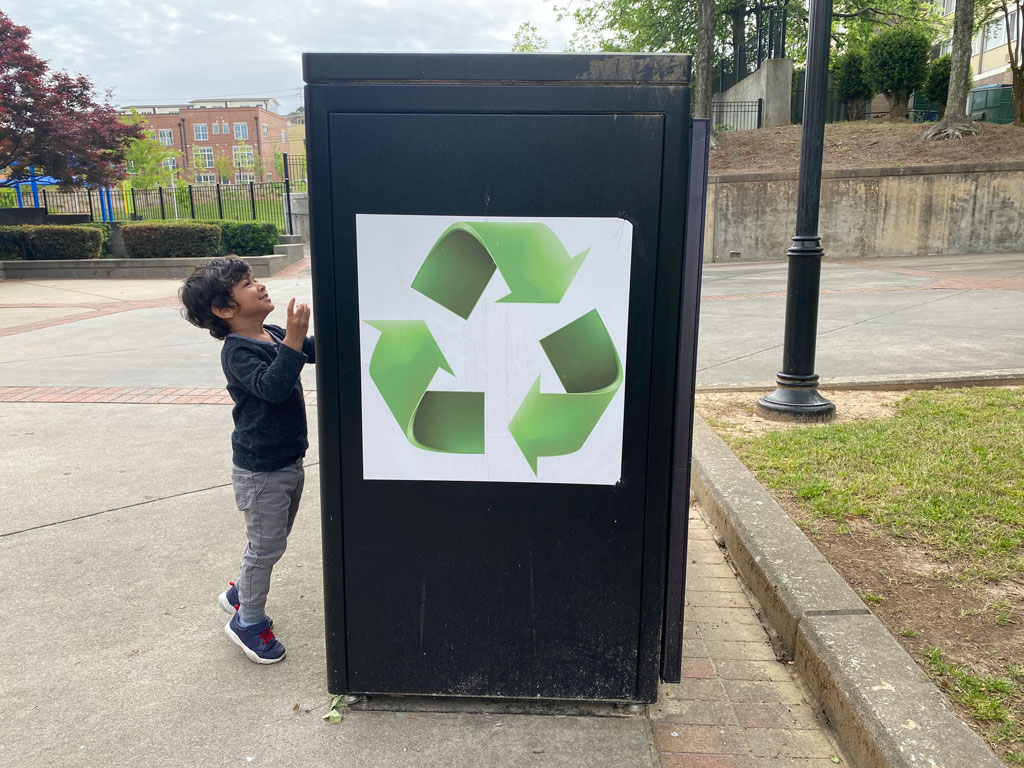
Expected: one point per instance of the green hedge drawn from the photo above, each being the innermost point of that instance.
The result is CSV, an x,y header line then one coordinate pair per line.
x,y
104,229
13,244
246,238
151,240
49,242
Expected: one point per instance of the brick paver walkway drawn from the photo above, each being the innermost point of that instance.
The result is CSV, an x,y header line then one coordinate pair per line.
x,y
737,706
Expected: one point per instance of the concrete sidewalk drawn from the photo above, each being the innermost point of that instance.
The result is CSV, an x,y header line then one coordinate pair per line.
x,y
119,528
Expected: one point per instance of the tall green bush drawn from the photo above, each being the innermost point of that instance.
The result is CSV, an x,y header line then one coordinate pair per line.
x,y
849,85
896,64
151,240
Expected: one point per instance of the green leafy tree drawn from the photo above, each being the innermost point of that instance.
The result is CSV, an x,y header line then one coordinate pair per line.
x,y
936,85
145,156
224,168
528,39
849,85
895,64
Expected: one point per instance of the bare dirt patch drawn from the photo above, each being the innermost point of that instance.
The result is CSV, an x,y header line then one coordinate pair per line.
x,y
733,415
916,596
862,144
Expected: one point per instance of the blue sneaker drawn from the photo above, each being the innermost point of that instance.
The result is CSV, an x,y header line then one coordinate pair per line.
x,y
257,641
229,599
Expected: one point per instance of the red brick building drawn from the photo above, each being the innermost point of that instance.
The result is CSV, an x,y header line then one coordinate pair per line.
x,y
244,134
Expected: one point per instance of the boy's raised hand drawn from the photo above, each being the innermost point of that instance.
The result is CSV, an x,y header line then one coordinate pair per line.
x,y
298,325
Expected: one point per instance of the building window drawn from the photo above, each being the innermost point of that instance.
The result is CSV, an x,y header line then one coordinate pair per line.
x,y
166,137
995,34
241,131
948,7
199,132
244,178
206,178
171,163
203,157
242,157
131,166
266,129
223,127
284,137
215,128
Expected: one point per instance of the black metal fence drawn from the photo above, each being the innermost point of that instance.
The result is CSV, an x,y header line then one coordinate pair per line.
x,y
767,42
737,115
254,201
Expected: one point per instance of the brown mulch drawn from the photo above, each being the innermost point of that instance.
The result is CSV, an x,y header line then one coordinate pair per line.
x,y
922,604
862,144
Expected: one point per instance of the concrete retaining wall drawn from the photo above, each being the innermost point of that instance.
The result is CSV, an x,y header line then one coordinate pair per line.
x,y
773,82
261,266
868,213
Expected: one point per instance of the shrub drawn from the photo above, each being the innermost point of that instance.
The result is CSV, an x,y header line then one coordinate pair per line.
x,y
104,229
13,245
171,240
247,238
896,64
49,242
848,81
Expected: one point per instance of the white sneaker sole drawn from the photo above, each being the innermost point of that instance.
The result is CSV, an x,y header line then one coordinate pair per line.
x,y
225,605
249,651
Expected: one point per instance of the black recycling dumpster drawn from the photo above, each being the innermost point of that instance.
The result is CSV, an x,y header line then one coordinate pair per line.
x,y
506,267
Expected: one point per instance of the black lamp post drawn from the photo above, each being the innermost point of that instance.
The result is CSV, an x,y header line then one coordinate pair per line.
x,y
796,395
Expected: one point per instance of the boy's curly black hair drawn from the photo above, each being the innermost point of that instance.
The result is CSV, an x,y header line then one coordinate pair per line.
x,y
209,286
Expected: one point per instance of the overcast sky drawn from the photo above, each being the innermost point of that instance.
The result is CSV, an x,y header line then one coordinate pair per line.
x,y
149,52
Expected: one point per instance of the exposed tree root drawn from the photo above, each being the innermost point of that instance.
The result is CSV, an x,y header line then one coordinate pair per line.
x,y
951,129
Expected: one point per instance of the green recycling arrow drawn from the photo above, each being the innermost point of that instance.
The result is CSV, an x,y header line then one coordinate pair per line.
x,y
584,357
531,259
402,366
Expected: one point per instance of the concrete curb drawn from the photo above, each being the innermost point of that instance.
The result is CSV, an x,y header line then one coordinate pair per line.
x,y
87,269
888,714
896,381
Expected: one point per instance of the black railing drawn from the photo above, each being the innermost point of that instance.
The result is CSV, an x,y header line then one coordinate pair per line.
x,y
767,42
737,115
252,201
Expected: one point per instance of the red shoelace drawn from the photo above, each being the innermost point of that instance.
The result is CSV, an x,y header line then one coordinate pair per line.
x,y
267,635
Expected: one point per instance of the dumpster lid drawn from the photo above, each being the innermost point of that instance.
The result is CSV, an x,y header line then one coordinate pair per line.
x,y
550,68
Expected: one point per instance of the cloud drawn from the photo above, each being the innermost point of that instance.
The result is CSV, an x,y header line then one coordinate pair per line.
x,y
188,49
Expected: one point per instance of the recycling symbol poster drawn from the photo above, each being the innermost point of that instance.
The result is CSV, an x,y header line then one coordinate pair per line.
x,y
493,349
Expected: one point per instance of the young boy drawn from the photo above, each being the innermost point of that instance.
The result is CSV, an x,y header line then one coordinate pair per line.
x,y
262,365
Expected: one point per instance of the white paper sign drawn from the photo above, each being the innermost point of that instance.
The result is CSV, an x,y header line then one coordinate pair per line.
x,y
430,298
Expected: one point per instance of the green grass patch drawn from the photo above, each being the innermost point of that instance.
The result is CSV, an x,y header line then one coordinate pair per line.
x,y
947,471
988,698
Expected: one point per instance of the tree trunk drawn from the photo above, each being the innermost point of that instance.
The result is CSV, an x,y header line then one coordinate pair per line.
x,y
1013,48
898,103
1018,97
955,123
705,54
739,36
855,108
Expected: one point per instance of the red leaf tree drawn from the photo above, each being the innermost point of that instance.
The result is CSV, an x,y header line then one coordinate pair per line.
x,y
50,120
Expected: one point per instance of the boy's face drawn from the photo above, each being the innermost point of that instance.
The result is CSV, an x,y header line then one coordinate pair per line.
x,y
252,303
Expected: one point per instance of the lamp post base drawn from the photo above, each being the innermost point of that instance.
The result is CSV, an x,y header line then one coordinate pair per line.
x,y
796,398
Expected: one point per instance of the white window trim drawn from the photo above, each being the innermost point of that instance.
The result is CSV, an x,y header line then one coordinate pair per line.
x,y
206,153
244,130
215,127
165,136
196,132
239,157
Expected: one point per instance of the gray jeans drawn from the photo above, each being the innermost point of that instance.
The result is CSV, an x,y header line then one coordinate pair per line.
x,y
269,501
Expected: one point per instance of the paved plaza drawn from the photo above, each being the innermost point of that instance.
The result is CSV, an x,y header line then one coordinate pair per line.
x,y
119,528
